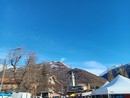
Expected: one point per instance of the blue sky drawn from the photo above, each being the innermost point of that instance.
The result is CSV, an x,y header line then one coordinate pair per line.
x,y
90,34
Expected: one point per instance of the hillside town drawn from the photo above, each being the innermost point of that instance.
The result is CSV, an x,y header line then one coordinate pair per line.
x,y
56,80
11,89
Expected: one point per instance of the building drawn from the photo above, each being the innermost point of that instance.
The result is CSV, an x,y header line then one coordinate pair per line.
x,y
9,84
73,89
71,79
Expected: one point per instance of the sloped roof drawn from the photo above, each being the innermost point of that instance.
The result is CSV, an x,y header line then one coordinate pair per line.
x,y
8,80
104,84
120,85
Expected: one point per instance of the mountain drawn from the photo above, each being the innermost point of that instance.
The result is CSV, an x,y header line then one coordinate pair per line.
x,y
61,71
122,70
59,75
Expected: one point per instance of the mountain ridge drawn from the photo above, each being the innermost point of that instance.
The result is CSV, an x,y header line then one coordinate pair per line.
x,y
59,75
116,70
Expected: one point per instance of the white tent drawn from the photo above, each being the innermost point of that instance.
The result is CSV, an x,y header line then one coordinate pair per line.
x,y
120,85
21,95
104,84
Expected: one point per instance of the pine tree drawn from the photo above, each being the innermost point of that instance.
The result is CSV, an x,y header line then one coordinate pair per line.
x,y
110,76
123,71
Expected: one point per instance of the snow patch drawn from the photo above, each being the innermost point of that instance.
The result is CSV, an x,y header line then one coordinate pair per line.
x,y
54,66
114,67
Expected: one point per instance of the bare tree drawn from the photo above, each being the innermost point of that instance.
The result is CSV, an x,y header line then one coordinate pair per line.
x,y
110,76
32,78
26,78
43,78
29,74
122,71
14,57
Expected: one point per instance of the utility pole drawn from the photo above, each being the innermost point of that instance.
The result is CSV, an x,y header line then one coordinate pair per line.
x,y
4,68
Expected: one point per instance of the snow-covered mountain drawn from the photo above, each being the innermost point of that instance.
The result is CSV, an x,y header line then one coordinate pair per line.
x,y
117,70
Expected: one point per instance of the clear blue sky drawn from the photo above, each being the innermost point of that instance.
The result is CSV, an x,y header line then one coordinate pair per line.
x,y
88,34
